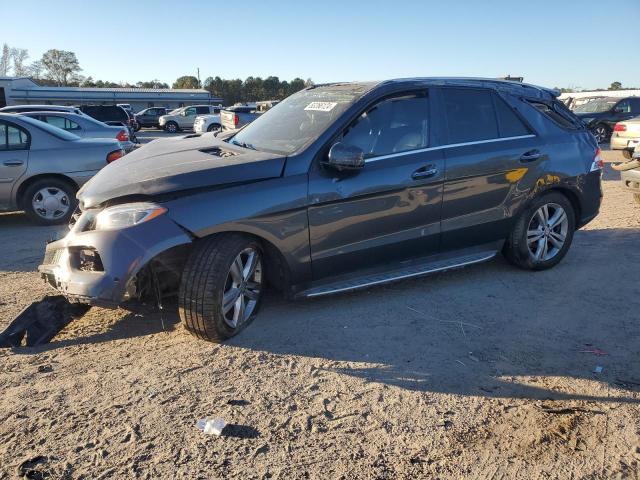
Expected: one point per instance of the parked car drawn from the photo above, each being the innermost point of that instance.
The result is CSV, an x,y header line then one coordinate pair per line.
x,y
40,108
84,126
207,123
150,117
626,136
602,114
338,187
630,175
185,117
42,166
111,115
233,118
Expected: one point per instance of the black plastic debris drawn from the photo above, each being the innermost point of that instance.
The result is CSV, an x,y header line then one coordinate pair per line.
x,y
40,322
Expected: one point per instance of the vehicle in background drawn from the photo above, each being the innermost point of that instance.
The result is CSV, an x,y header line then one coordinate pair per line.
x,y
207,123
626,136
265,105
42,167
111,115
150,117
85,126
238,116
341,186
601,115
185,117
126,106
40,108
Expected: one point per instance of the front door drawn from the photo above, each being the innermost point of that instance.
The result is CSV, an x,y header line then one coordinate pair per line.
x,y
14,155
389,210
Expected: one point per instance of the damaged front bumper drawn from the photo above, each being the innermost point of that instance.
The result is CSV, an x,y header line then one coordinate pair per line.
x,y
97,267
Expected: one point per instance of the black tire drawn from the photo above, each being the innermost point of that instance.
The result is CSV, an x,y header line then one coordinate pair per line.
x,y
171,127
636,197
137,127
516,248
601,132
69,199
204,278
214,127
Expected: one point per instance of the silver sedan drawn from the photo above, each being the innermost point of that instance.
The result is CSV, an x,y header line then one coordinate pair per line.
x,y
42,167
84,126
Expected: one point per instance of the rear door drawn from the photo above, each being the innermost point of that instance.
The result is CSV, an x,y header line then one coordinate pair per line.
x,y
489,151
14,156
389,211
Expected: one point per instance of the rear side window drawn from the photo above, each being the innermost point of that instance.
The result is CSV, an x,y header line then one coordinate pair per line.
x,y
509,123
61,122
558,113
202,110
470,115
13,138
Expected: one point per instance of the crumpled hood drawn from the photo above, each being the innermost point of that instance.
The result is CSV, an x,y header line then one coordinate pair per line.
x,y
179,163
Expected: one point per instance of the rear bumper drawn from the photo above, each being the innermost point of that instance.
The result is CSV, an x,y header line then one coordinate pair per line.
x,y
122,254
631,180
591,197
621,143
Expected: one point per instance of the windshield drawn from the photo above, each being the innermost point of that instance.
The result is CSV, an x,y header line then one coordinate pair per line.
x,y
298,120
55,131
595,106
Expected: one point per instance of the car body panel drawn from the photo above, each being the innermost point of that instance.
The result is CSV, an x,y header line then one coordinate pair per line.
x,y
203,122
628,138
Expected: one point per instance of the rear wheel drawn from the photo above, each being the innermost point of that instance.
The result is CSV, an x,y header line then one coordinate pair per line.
x,y
221,286
542,234
49,201
601,132
214,127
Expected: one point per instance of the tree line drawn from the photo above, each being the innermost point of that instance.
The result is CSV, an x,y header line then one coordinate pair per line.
x,y
62,68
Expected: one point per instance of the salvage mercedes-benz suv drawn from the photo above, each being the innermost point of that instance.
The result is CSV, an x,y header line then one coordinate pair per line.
x,y
338,187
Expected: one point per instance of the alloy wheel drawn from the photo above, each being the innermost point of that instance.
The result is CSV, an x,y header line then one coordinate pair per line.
x,y
243,287
51,203
600,133
547,232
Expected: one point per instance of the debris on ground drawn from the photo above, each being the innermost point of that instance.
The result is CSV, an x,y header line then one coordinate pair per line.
x,y
593,350
598,369
211,426
38,323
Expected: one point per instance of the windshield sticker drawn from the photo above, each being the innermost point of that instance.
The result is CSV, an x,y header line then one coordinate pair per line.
x,y
321,106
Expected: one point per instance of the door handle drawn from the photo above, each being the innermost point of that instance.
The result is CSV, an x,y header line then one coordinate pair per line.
x,y
13,163
530,156
424,172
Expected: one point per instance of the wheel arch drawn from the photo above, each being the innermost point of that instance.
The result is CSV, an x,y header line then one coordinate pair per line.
x,y
31,180
567,192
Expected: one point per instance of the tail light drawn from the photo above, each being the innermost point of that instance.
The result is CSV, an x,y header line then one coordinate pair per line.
x,y
236,119
115,155
122,136
598,163
620,128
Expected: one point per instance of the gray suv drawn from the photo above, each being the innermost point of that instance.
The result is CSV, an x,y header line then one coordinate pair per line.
x,y
185,117
338,187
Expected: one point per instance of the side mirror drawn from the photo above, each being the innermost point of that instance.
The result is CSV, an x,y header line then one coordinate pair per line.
x,y
345,157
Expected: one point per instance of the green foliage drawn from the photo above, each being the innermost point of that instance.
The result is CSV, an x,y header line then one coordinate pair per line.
x,y
60,66
186,81
253,88
615,86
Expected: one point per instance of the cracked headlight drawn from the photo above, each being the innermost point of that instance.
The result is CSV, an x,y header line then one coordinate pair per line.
x,y
127,215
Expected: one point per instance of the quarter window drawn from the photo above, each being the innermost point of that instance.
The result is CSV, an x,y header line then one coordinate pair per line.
x,y
13,138
624,107
508,122
394,125
470,115
202,110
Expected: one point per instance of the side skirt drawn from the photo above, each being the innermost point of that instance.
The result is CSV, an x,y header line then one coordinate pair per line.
x,y
414,270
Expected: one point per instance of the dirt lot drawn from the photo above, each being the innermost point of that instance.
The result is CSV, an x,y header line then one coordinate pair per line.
x,y
479,373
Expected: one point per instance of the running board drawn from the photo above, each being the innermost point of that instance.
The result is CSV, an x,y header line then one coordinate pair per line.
x,y
400,274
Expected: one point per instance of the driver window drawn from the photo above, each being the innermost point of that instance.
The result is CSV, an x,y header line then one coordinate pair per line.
x,y
190,111
394,125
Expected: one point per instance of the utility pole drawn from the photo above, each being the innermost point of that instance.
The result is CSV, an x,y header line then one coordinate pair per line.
x,y
199,84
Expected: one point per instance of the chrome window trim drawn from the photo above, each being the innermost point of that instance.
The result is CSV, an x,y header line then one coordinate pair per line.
x,y
442,147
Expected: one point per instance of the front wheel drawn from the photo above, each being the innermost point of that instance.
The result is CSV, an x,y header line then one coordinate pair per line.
x,y
171,127
542,234
221,286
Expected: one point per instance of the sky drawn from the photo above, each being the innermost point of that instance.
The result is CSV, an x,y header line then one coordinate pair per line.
x,y
561,43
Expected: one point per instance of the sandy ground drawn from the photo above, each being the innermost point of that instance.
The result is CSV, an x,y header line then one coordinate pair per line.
x,y
478,373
